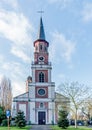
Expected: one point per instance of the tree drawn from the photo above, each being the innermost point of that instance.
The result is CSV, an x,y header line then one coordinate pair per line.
x,y
77,93
87,108
20,119
63,121
6,93
2,114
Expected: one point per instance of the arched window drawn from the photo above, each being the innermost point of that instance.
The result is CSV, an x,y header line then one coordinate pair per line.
x,y
41,77
45,48
41,105
40,47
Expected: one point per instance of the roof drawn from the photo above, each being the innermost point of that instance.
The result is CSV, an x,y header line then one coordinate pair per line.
x,y
41,33
62,98
21,97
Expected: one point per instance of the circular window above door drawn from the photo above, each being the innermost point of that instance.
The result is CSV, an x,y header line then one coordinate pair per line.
x,y
41,92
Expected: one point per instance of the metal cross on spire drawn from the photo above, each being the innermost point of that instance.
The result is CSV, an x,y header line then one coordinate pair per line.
x,y
41,34
40,11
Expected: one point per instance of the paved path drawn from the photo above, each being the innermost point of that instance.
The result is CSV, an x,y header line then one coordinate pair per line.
x,y
40,127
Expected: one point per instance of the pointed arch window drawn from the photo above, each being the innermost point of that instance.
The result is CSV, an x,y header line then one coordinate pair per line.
x,y
41,77
40,47
45,48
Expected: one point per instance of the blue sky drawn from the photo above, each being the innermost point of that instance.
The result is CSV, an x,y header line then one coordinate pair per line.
x,y
68,29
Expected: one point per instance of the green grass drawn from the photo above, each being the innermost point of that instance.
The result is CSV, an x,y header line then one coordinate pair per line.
x,y
15,128
71,128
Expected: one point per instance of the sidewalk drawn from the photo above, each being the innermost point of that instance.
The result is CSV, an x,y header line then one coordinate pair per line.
x,y
40,127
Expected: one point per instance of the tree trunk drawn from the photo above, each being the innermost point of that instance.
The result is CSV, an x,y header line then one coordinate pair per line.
x,y
76,119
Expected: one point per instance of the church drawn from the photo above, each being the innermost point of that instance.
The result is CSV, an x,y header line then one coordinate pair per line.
x,y
40,102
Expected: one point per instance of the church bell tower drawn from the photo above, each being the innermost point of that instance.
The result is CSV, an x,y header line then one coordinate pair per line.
x,y
41,89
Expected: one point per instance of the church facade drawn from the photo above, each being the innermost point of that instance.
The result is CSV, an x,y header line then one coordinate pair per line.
x,y
40,102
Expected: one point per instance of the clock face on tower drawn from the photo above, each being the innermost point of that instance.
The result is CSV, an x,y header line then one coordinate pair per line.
x,y
41,58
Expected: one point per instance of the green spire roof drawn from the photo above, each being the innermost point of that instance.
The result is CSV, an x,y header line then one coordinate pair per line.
x,y
41,33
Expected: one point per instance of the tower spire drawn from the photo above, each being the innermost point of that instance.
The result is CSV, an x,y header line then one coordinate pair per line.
x,y
41,33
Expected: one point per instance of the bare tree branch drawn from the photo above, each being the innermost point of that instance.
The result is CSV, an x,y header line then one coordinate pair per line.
x,y
6,93
77,93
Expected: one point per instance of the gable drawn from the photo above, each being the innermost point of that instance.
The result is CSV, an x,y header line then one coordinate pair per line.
x,y
61,98
22,97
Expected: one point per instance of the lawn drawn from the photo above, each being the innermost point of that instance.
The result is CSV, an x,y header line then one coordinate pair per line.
x,y
15,128
71,128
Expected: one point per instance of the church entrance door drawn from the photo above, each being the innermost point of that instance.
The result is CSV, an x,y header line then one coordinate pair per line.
x,y
41,118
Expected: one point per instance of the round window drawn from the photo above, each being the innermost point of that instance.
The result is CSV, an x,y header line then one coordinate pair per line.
x,y
41,92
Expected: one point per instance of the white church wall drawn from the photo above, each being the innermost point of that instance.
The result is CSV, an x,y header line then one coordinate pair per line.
x,y
51,91
22,107
33,75
32,112
50,112
32,92
49,75
14,110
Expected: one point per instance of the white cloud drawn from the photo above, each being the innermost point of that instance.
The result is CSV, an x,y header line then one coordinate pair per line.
x,y
16,28
18,88
20,54
87,12
16,69
17,74
62,47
